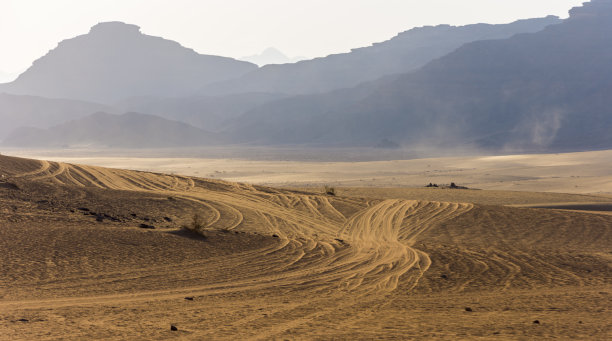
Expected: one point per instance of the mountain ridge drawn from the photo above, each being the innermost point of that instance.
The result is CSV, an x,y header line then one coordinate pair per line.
x,y
115,60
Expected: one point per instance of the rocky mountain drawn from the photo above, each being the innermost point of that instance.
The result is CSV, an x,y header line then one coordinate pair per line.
x,y
543,91
130,130
404,53
20,110
115,61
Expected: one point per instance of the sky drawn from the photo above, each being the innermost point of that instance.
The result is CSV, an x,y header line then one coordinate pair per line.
x,y
237,28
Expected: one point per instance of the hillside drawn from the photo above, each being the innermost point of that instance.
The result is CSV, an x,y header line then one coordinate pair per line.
x,y
130,130
544,91
20,110
115,61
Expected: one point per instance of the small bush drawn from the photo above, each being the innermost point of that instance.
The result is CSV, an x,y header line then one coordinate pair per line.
x,y
197,223
330,190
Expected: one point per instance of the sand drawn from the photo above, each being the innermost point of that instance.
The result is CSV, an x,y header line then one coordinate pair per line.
x,y
83,261
580,173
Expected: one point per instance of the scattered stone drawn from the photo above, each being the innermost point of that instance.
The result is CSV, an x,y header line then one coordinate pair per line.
x,y
189,298
72,210
173,328
444,276
341,241
168,219
536,322
23,320
146,226
468,309
133,215
496,333
275,235
99,218
83,209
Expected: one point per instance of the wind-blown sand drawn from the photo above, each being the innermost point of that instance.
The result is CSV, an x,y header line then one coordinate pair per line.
x,y
289,264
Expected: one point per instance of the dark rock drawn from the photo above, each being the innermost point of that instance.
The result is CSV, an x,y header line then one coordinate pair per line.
x,y
468,309
146,226
189,298
168,219
536,322
173,328
339,240
99,218
23,320
83,209
444,276
275,235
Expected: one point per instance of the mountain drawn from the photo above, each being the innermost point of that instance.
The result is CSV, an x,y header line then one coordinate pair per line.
x,y
115,61
211,113
39,112
130,130
270,56
544,91
404,53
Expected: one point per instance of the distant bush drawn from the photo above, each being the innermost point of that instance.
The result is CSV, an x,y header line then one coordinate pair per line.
x,y
330,190
196,225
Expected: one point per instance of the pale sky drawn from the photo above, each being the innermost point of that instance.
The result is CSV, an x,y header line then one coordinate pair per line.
x,y
237,28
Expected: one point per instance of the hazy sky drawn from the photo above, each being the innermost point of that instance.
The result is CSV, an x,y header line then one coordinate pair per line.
x,y
237,28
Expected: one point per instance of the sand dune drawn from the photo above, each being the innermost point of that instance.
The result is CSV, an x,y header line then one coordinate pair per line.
x,y
288,264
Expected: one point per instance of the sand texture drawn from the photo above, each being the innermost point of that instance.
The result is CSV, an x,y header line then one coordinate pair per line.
x,y
99,253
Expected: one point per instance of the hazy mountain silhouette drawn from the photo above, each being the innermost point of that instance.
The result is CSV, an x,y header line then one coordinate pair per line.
x,y
206,112
548,90
130,130
114,61
270,55
39,112
404,53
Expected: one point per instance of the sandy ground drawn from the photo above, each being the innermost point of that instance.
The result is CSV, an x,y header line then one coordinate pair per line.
x,y
585,172
98,253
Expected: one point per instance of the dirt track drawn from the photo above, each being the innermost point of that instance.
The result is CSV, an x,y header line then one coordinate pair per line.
x,y
286,264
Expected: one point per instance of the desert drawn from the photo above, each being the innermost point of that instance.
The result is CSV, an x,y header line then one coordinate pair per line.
x,y
306,170
94,252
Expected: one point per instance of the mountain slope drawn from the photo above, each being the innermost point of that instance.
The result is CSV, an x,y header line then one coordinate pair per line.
x,y
39,112
130,130
114,61
542,91
404,53
211,113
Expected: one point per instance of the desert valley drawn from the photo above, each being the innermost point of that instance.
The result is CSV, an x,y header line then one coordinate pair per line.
x,y
452,183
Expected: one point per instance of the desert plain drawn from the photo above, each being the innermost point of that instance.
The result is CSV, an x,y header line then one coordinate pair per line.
x,y
107,248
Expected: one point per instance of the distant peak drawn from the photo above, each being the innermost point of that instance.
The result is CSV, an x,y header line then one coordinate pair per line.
x,y
114,27
272,51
